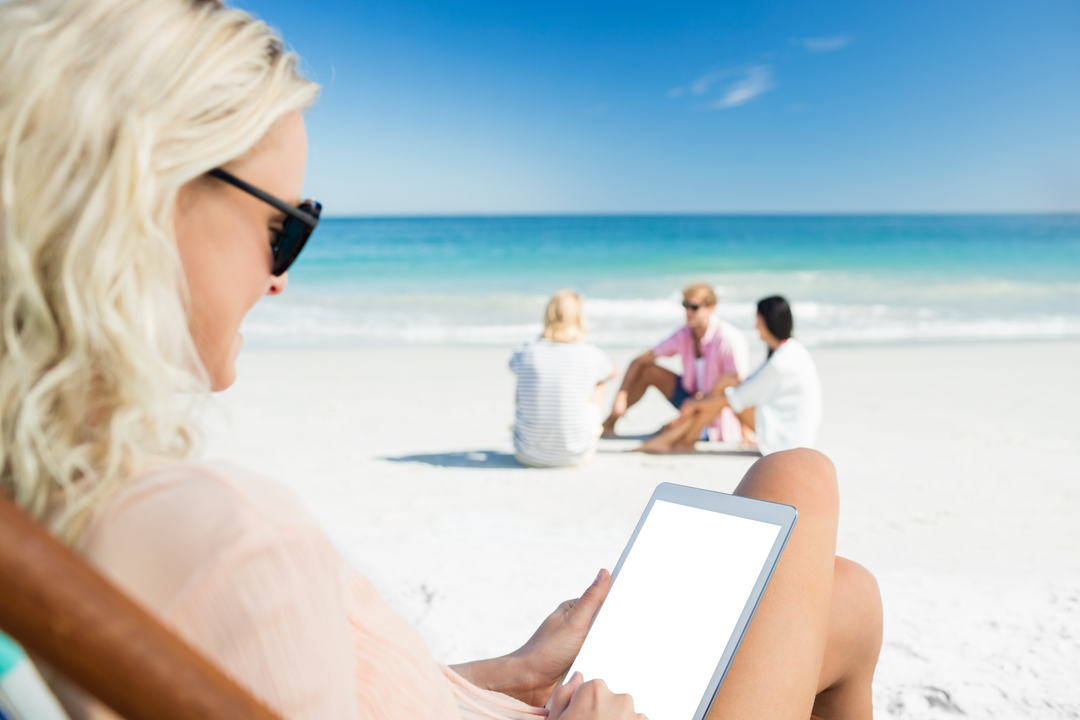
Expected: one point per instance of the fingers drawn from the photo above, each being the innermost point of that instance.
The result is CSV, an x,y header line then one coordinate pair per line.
x,y
560,699
593,701
586,606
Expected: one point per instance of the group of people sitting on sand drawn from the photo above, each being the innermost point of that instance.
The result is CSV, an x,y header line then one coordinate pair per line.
x,y
152,159
561,379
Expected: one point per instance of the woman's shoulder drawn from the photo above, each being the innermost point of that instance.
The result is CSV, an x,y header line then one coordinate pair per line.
x,y
794,351
794,359
193,489
175,519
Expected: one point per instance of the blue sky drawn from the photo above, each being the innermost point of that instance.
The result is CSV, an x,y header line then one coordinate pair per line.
x,y
434,108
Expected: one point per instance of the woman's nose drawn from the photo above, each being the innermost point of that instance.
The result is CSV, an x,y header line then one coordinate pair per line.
x,y
278,283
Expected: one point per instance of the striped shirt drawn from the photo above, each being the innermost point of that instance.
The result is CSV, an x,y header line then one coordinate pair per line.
x,y
555,383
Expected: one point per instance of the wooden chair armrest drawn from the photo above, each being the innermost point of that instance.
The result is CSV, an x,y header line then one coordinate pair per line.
x,y
68,615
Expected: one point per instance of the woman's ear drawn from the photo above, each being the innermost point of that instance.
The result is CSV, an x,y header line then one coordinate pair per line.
x,y
277,284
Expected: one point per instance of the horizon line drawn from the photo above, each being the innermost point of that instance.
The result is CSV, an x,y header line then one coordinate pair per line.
x,y
691,214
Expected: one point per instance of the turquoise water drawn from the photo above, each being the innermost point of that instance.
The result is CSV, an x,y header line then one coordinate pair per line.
x,y
851,279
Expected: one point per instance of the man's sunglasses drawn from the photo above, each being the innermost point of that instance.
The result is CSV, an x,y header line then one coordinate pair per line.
x,y
299,222
692,306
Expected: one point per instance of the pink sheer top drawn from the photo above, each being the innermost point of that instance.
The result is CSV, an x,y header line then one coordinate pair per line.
x,y
234,564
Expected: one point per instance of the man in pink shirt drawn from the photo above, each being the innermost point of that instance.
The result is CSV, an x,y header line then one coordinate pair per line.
x,y
710,347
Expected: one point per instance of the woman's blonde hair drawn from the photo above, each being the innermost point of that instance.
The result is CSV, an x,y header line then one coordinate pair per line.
x,y
564,319
108,107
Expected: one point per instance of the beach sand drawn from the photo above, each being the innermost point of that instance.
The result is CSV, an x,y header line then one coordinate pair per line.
x,y
958,468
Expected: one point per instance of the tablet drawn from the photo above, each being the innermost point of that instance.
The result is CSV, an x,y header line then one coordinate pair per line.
x,y
681,597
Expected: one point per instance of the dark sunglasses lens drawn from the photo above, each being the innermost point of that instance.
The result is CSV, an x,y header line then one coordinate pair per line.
x,y
689,306
292,238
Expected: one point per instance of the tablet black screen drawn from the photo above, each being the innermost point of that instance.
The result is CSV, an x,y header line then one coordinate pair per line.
x,y
674,606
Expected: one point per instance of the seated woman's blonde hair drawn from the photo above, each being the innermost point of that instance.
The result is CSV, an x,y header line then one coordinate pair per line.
x,y
108,107
564,319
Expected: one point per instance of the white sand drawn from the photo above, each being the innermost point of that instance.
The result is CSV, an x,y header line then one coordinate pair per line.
x,y
959,480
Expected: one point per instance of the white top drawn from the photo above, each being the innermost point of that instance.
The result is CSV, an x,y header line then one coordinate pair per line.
x,y
556,382
699,369
786,396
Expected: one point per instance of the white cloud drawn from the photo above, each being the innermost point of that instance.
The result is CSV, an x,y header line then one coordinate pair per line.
x,y
757,80
826,44
702,84
729,87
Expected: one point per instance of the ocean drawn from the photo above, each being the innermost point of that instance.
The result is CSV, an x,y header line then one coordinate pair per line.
x,y
850,279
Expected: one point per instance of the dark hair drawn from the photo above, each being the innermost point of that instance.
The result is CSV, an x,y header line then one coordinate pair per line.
x,y
776,313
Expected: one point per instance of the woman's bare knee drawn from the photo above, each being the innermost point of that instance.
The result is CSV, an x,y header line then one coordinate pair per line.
x,y
802,477
855,626
864,610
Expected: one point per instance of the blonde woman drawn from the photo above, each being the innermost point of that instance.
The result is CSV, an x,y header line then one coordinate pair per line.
x,y
560,389
152,157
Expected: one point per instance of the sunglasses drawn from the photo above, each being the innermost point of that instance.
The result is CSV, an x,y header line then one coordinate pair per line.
x,y
692,306
299,222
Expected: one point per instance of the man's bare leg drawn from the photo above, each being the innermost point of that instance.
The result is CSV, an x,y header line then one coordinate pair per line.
x,y
812,645
639,376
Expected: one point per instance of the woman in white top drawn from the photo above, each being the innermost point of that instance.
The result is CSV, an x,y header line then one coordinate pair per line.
x,y
560,389
780,402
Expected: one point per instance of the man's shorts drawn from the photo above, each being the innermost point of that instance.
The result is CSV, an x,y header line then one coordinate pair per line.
x,y
680,395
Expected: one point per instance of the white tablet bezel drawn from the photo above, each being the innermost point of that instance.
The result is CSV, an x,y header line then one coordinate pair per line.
x,y
773,513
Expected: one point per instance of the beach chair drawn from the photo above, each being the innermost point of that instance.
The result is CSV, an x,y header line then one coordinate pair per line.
x,y
69,617
23,693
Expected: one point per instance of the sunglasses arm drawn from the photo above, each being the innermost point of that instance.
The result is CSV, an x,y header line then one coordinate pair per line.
x,y
267,198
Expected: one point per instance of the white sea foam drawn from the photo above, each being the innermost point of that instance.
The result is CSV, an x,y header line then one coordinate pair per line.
x,y
510,319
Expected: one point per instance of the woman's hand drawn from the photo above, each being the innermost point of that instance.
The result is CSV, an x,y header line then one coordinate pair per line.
x,y
532,672
546,657
580,700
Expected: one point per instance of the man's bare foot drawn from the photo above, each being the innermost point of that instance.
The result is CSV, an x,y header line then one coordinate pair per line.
x,y
609,428
685,447
654,446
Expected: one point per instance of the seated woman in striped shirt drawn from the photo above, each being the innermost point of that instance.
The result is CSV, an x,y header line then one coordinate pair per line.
x,y
560,388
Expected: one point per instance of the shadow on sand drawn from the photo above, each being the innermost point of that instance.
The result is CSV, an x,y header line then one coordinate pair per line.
x,y
484,459
626,443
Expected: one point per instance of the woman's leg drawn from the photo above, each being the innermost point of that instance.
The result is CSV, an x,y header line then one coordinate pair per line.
x,y
817,629
677,435
854,643
746,419
681,433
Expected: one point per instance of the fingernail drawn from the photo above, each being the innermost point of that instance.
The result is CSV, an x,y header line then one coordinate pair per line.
x,y
598,576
